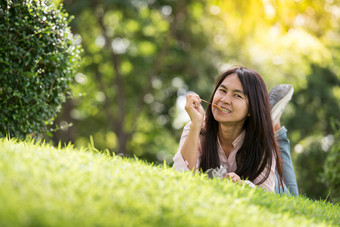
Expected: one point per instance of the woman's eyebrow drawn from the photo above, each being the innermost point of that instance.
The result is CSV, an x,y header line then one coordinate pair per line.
x,y
235,90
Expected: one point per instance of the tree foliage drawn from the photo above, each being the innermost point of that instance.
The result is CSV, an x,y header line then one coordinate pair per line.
x,y
38,58
139,56
309,168
142,57
332,167
314,105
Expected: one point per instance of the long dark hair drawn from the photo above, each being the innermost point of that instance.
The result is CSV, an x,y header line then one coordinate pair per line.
x,y
259,147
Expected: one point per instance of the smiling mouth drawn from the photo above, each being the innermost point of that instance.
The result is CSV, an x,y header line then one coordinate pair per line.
x,y
222,109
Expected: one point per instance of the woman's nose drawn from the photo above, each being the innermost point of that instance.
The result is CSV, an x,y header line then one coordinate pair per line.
x,y
226,99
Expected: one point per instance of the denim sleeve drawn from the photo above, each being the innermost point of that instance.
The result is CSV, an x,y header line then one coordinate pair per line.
x,y
288,173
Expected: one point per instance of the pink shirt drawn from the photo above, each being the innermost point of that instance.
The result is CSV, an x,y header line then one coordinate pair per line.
x,y
228,162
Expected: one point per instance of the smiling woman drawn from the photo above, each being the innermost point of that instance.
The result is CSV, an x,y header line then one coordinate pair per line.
x,y
232,100
236,131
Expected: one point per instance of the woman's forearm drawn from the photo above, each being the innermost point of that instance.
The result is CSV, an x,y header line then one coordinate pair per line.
x,y
190,147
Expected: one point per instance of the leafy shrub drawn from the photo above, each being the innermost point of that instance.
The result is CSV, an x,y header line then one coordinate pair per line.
x,y
309,170
332,166
38,59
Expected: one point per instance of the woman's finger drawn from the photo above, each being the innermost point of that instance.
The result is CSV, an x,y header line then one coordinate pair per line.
x,y
193,100
193,108
233,177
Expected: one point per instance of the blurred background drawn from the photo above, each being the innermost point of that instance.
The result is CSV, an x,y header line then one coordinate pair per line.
x,y
141,57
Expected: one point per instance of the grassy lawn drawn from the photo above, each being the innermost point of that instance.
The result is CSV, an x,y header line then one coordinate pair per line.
x,y
45,186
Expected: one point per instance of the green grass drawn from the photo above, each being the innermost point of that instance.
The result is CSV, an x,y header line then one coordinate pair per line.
x,y
44,186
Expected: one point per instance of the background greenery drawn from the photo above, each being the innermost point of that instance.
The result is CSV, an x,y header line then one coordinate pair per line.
x,y
45,186
142,56
332,169
38,59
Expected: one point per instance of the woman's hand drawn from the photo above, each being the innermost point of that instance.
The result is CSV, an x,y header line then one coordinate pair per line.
x,y
233,177
194,108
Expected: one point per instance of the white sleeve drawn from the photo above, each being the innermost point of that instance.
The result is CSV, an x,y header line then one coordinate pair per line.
x,y
179,163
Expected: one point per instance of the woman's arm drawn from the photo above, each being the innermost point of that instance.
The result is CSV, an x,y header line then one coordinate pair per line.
x,y
189,148
269,183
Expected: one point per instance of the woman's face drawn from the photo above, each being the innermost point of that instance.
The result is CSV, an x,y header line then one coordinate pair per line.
x,y
230,96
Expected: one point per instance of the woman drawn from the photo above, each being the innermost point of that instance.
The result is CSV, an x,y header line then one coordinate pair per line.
x,y
236,131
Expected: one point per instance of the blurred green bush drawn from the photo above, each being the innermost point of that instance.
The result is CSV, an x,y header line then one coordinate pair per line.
x,y
38,59
309,169
332,166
